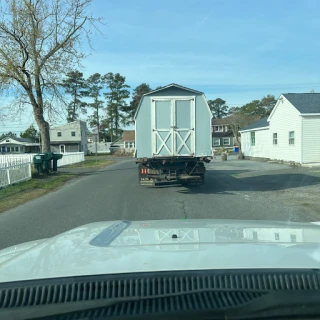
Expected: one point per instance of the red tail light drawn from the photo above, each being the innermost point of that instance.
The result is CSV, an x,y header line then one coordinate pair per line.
x,y
144,171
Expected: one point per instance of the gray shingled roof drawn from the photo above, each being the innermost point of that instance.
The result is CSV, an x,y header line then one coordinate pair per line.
x,y
18,139
173,85
24,140
222,134
304,102
258,124
220,121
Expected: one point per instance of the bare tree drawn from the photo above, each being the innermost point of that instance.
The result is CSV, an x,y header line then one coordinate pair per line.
x,y
237,121
40,41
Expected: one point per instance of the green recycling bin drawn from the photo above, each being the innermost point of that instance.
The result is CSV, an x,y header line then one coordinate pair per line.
x,y
38,162
48,156
56,157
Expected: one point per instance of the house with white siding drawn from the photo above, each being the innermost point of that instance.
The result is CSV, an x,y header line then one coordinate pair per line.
x,y
71,137
14,145
291,132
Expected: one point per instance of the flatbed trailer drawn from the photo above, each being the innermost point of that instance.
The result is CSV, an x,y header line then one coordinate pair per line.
x,y
173,136
184,171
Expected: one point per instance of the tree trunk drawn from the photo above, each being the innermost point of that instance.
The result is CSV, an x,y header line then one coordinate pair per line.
x,y
240,156
38,113
43,125
43,128
74,105
98,122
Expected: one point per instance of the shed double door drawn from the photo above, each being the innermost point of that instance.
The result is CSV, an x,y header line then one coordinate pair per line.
x,y
173,126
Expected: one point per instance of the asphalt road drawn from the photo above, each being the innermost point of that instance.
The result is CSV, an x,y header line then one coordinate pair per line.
x,y
233,190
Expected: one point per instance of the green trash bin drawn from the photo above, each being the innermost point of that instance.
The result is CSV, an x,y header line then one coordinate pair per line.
x,y
56,157
48,156
38,162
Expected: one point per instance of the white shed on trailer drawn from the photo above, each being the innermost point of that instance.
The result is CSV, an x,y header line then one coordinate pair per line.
x,y
173,121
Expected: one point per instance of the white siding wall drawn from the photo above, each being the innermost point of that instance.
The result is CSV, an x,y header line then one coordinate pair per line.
x,y
311,139
285,118
66,132
261,149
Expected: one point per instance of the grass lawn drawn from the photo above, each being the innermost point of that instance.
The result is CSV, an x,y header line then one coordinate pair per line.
x,y
91,163
19,193
106,154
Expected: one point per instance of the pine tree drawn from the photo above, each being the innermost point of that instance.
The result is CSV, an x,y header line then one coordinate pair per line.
x,y
74,85
117,109
94,86
138,92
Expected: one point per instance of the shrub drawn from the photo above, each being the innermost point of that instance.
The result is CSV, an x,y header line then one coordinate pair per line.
x,y
123,153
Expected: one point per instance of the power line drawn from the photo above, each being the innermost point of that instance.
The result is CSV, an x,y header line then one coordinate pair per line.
x,y
259,85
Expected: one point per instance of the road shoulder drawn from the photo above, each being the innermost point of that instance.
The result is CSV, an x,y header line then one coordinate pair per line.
x,y
18,194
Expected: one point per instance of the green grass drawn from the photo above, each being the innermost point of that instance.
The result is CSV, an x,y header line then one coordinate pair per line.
x,y
92,163
19,193
99,154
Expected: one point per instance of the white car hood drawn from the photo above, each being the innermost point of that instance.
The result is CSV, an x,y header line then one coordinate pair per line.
x,y
162,245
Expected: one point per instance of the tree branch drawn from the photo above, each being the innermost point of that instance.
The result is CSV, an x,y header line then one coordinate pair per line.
x,y
61,45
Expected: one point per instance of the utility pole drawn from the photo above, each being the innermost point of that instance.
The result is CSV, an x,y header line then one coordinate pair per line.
x,y
96,143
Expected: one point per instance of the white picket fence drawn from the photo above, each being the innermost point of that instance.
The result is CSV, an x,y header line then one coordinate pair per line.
x,y
17,167
15,173
14,159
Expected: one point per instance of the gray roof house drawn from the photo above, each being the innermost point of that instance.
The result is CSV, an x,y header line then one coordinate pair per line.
x,y
222,135
126,143
262,123
15,145
291,132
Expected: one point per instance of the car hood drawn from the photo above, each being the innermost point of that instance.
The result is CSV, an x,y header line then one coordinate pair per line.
x,y
162,245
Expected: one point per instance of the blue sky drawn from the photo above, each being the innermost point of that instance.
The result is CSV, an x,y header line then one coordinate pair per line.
x,y
238,50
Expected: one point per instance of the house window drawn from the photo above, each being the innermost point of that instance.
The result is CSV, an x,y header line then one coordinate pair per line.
x,y
17,149
218,128
216,142
255,235
276,236
293,238
8,149
7,140
59,134
131,145
253,138
226,141
291,137
226,128
275,138
126,144
73,134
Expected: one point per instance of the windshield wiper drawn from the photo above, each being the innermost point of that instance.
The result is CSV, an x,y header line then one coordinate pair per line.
x,y
272,304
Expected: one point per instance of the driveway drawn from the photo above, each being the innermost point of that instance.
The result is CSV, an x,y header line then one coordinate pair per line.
x,y
234,189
